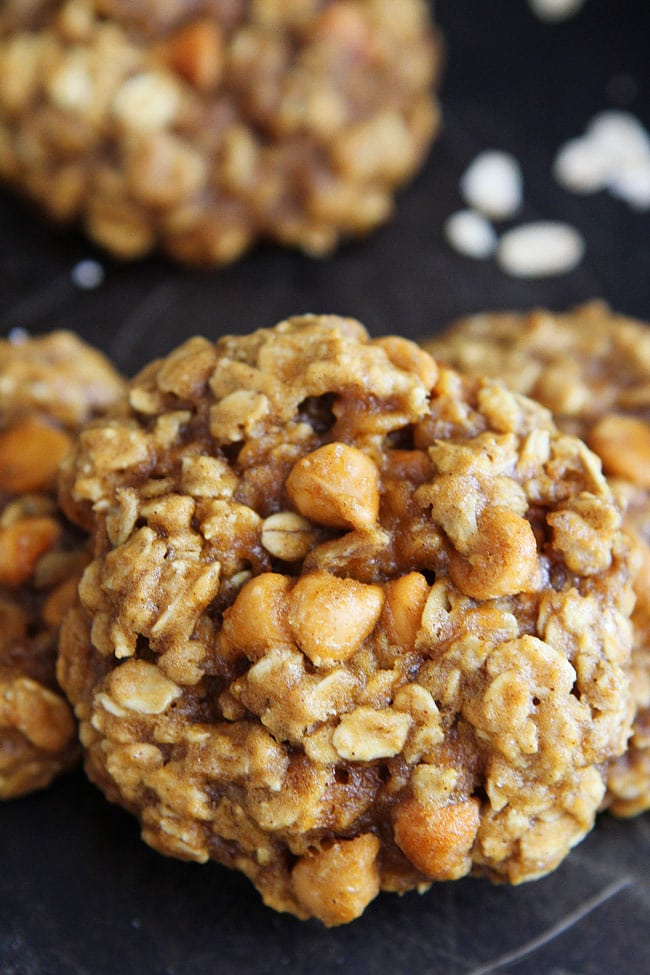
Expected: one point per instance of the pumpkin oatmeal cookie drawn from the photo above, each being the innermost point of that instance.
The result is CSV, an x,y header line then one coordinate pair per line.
x,y
591,367
355,622
48,387
200,126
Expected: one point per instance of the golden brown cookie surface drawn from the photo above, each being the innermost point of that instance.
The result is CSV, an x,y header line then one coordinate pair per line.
x,y
48,387
339,633
199,126
591,367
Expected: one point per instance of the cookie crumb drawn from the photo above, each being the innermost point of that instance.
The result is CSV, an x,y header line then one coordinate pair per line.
x,y
87,274
18,335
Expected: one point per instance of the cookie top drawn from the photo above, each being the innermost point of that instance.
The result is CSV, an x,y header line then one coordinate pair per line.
x,y
591,367
49,385
354,621
199,126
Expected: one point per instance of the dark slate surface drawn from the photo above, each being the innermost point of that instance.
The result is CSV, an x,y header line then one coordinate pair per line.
x,y
79,893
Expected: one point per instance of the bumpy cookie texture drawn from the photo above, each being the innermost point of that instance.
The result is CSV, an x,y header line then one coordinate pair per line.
x,y
354,622
49,386
199,126
591,367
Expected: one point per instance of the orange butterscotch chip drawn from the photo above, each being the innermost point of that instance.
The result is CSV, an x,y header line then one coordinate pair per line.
x,y
336,485
405,600
330,617
30,454
337,884
59,601
437,839
256,621
21,546
196,52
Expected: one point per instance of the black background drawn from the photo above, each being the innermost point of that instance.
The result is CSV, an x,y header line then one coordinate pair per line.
x,y
79,893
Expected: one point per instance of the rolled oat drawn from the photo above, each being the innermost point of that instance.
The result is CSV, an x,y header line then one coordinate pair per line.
x,y
540,249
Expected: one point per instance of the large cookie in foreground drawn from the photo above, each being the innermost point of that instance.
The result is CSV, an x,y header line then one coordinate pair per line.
x,y
49,386
591,367
200,126
354,622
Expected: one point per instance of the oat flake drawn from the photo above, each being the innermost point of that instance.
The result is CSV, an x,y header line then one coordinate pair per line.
x,y
493,184
555,10
540,249
469,233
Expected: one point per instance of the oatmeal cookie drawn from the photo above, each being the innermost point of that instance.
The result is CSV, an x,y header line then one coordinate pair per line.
x,y
200,126
591,367
354,622
48,387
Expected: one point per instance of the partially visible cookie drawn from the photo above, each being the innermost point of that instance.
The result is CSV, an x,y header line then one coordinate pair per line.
x,y
200,126
342,632
591,367
49,386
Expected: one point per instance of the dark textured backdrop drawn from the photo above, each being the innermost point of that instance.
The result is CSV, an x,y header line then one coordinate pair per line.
x,y
79,893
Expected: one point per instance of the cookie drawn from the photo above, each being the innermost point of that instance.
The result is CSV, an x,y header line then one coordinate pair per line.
x,y
201,126
48,387
341,631
591,367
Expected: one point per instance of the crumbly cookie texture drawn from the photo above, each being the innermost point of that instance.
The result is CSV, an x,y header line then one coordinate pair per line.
x,y
49,386
591,367
200,126
354,622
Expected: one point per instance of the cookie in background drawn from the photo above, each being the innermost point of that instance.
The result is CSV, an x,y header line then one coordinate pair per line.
x,y
591,367
199,129
49,386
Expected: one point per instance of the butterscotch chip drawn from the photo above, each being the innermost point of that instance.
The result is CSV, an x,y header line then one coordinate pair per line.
x,y
31,452
279,665
439,839
337,883
199,128
49,386
591,367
